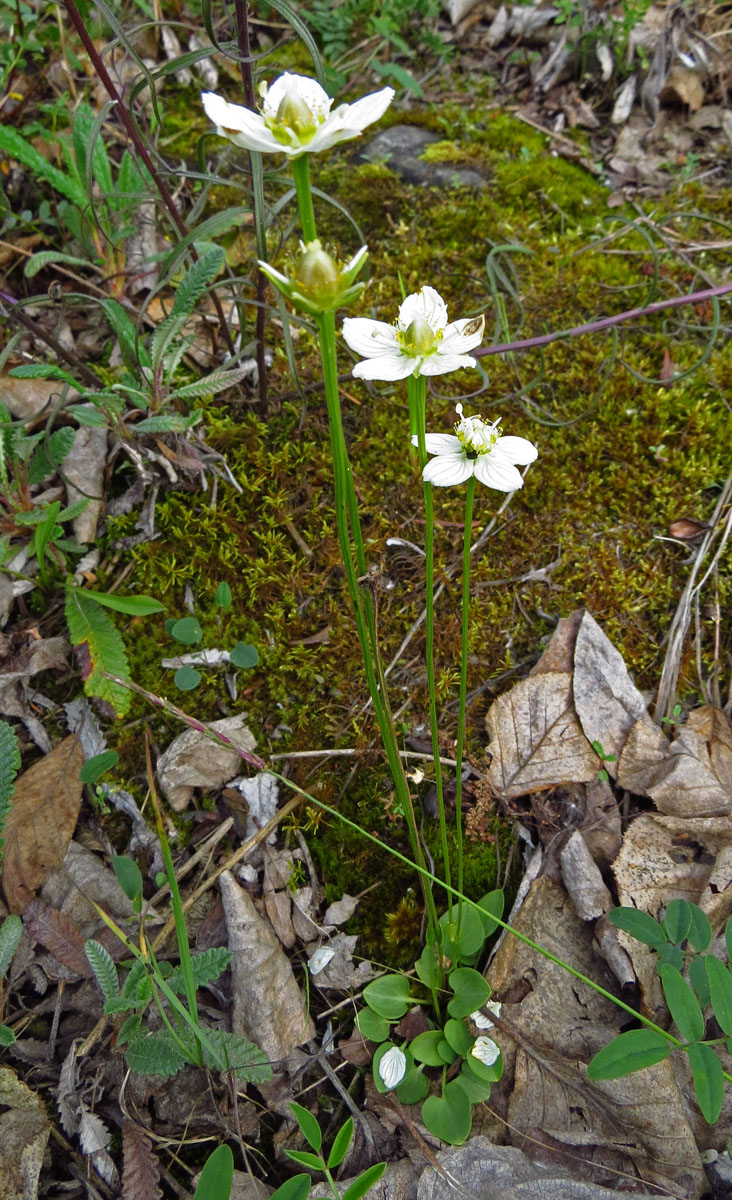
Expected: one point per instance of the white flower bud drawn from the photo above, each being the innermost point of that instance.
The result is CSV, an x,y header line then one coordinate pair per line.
x,y
486,1051
320,959
480,1019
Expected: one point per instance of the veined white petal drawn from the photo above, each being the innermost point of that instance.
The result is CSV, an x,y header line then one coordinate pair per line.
x,y
461,336
388,367
443,364
365,111
240,125
426,305
486,1051
496,472
320,959
370,338
481,1020
270,272
448,469
393,1067
308,90
442,443
516,450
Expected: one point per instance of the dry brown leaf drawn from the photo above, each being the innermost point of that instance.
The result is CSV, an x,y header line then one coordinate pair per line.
x,y
41,821
24,1131
692,776
84,468
194,761
57,934
638,1125
606,700
140,1172
536,738
268,1006
683,86
665,858
26,398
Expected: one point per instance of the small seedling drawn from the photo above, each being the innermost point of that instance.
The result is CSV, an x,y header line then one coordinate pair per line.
x,y
602,773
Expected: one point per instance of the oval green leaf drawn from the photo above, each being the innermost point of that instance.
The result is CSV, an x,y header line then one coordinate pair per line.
x,y
457,1036
639,925
296,1188
309,1126
471,990
677,921
128,875
217,1176
670,954
706,1071
187,678
449,1116
243,655
427,968
414,1087
631,1051
223,599
341,1142
699,980
424,1048
305,1159
682,1003
700,933
361,1186
187,630
388,996
720,991
475,1088
95,767
491,905
371,1026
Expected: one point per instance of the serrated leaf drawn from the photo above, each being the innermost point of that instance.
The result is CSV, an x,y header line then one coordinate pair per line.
x,y
10,934
155,1054
17,147
140,1172
172,423
341,1142
206,966
46,530
639,925
43,371
9,767
49,455
708,1076
43,258
365,1182
308,1124
210,385
720,991
90,626
237,1054
631,1051
105,972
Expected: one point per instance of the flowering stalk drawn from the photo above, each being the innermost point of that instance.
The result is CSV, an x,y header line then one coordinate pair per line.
x,y
469,497
301,176
417,391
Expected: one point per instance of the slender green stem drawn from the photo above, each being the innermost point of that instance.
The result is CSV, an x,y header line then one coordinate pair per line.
x,y
301,174
417,401
331,1182
469,497
364,626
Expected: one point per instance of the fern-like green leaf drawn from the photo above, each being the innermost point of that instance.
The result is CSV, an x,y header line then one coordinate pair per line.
x,y
18,148
237,1054
9,767
10,934
195,282
210,385
105,972
47,458
90,626
155,1054
132,348
207,966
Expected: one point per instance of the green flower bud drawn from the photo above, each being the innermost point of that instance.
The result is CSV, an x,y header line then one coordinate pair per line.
x,y
294,113
318,276
418,339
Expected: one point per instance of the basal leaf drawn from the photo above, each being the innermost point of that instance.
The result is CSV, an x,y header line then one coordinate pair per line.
x,y
90,627
105,972
155,1054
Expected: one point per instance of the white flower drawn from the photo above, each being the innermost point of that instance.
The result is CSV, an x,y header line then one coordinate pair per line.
x,y
476,448
295,117
393,1067
486,1051
421,342
320,959
479,1018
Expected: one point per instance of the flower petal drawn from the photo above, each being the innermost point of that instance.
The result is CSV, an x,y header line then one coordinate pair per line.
x,y
461,336
442,364
496,472
370,338
486,1051
242,126
366,110
392,1067
448,469
308,90
320,959
442,443
275,276
388,367
426,305
516,450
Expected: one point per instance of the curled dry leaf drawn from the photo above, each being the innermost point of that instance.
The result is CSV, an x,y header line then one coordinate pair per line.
x,y
536,738
194,761
57,934
583,880
268,1007
84,468
43,815
24,1132
607,701
691,776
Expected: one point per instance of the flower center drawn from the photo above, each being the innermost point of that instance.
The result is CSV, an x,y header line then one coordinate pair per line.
x,y
476,435
418,339
293,117
318,273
